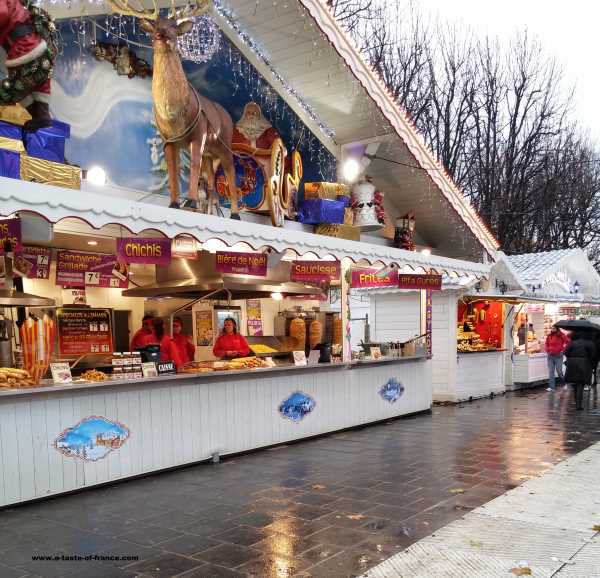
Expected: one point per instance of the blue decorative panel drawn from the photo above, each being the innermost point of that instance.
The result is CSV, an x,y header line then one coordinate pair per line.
x,y
297,406
392,391
92,439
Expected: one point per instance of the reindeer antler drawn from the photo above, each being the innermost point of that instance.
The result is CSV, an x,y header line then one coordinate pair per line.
x,y
138,9
134,8
191,9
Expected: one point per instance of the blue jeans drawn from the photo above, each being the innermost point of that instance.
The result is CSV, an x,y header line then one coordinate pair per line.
x,y
555,364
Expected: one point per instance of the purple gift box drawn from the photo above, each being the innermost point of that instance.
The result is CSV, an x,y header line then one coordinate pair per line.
x,y
344,199
316,211
10,164
8,130
48,143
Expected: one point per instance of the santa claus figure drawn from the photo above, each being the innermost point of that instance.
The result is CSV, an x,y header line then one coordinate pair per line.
x,y
254,132
27,35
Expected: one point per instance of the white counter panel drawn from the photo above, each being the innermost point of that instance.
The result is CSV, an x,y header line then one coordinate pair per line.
x,y
478,375
180,421
530,368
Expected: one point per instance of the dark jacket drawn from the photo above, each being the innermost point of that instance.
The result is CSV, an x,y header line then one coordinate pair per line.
x,y
580,354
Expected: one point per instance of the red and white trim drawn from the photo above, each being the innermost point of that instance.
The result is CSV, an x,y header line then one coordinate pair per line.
x,y
29,57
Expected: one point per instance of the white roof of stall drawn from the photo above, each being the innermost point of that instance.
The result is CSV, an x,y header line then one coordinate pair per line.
x,y
552,272
303,42
56,205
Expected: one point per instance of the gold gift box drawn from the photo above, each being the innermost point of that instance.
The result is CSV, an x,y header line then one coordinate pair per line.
x,y
348,232
325,190
348,216
11,144
49,173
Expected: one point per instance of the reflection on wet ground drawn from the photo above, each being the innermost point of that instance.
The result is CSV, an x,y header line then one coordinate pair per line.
x,y
330,507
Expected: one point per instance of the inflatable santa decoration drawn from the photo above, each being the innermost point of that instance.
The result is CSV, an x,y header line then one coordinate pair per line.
x,y
28,37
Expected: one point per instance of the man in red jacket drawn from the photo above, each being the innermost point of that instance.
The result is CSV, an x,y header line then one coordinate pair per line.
x,y
29,59
556,344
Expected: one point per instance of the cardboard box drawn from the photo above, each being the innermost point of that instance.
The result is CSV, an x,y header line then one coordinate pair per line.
x,y
347,232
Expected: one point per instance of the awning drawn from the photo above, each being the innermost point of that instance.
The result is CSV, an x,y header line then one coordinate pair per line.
x,y
56,204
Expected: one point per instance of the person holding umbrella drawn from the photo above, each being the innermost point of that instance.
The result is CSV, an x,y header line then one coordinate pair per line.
x,y
580,354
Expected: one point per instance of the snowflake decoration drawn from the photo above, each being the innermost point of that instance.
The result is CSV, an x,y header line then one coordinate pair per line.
x,y
202,42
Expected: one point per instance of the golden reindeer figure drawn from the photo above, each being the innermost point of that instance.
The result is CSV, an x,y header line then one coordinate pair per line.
x,y
183,117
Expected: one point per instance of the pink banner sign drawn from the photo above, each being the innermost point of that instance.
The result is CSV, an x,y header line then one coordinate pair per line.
x,y
315,271
369,278
10,232
429,282
79,269
149,250
254,264
33,262
185,247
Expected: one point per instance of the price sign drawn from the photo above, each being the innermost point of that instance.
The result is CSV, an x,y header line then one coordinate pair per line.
x,y
166,368
92,278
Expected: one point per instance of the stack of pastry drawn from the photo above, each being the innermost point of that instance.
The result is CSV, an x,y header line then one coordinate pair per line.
x,y
10,377
245,363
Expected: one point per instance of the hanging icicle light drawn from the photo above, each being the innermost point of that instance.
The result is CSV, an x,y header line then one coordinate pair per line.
x,y
202,42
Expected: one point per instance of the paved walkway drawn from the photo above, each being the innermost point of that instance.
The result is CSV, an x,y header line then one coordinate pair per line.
x,y
326,508
549,526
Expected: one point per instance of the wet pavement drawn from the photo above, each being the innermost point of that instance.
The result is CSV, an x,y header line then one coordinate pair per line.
x,y
328,508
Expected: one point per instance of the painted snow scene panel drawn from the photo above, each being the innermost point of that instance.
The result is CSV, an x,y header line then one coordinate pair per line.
x,y
392,391
92,439
297,406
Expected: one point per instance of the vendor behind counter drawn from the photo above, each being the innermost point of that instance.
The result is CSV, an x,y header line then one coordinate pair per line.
x,y
230,344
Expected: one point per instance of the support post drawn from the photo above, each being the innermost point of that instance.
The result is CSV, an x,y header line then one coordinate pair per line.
x,y
346,265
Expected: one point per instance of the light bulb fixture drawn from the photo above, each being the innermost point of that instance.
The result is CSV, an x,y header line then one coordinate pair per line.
x,y
96,176
351,169
426,252
276,296
92,243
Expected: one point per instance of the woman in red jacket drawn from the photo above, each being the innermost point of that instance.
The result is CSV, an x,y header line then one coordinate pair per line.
x,y
185,347
230,343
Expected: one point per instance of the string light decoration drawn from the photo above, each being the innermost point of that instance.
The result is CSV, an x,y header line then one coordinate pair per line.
x,y
202,42
231,21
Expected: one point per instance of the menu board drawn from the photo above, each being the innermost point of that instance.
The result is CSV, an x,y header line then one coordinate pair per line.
x,y
83,331
204,327
254,317
33,262
79,269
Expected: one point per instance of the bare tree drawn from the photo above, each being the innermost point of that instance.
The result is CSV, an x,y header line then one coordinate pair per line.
x,y
498,116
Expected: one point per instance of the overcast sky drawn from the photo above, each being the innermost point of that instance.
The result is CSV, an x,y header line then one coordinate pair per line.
x,y
568,30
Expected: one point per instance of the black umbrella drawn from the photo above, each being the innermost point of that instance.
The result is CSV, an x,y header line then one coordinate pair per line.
x,y
578,325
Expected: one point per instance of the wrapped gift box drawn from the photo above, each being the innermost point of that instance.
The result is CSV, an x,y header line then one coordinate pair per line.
x,y
49,173
11,144
347,232
326,191
315,211
10,131
48,143
10,164
348,217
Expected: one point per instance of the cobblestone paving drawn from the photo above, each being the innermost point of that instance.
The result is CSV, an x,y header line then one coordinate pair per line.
x,y
327,508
